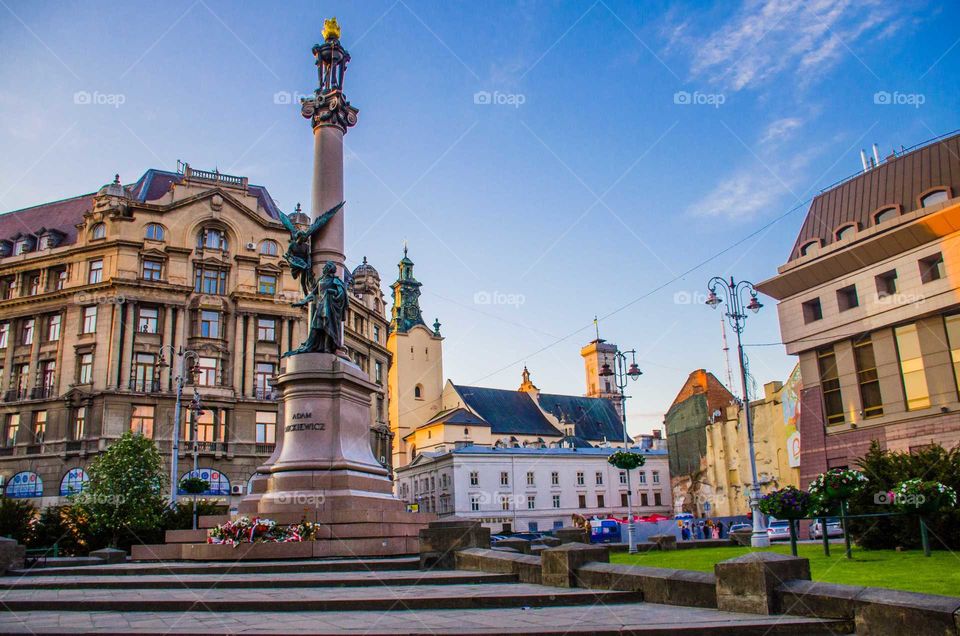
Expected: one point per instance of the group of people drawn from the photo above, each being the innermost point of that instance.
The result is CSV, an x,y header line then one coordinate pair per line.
x,y
700,529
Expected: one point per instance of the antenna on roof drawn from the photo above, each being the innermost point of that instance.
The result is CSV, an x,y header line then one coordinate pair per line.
x,y
596,326
863,160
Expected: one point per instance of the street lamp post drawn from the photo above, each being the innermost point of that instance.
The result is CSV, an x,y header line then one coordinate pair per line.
x,y
182,356
735,294
621,372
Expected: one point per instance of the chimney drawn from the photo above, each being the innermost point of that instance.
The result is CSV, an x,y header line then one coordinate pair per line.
x,y
863,160
657,434
876,155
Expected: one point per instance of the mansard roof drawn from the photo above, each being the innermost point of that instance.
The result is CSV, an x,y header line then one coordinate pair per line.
x,y
593,418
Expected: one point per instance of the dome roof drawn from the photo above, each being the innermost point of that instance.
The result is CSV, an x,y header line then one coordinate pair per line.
x,y
114,189
365,269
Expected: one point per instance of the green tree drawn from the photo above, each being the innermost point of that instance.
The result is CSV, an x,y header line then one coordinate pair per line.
x,y
17,519
125,493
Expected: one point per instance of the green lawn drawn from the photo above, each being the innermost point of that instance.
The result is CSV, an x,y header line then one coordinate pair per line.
x,y
938,574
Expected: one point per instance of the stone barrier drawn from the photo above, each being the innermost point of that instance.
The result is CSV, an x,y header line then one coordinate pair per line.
x,y
559,565
440,541
110,555
664,541
658,585
572,535
527,568
520,545
749,583
12,555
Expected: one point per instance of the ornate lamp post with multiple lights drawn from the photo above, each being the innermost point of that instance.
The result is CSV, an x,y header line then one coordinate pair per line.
x,y
182,356
621,372
736,295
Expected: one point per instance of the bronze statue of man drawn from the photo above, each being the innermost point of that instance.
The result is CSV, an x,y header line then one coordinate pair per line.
x,y
328,306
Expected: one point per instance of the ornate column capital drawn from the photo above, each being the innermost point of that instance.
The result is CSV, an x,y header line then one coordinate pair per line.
x,y
329,109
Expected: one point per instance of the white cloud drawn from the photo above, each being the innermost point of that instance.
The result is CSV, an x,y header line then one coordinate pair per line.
x,y
767,38
780,130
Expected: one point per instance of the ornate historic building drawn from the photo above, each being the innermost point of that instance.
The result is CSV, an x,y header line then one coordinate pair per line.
x,y
99,292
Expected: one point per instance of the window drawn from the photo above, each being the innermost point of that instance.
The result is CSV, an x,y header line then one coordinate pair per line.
x,y
152,269
26,333
4,334
7,286
73,482
657,501
867,378
847,298
267,284
599,477
530,479
623,500
266,427
147,320
57,278
556,501
31,284
11,426
22,246
809,245
95,271
155,232
145,372
885,215
264,372
206,371
89,319
25,484
209,324
219,483
376,333
886,283
48,373
474,503
39,426
80,422
504,479
830,385
22,375
212,239
418,392
141,420
580,480
938,196
85,372
266,330
845,232
623,476
531,502
931,268
644,499
378,377
210,280
554,479
656,476
205,425
601,502
268,248
504,502
99,231
812,310
533,526
53,328
952,324
911,367
474,478
581,501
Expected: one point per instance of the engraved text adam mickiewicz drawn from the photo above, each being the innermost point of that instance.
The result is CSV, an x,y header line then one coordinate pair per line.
x,y
304,426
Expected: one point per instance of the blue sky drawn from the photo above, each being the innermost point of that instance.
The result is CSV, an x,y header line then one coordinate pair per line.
x,y
624,145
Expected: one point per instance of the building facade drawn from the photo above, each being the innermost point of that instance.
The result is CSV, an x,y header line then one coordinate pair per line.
x,y
533,489
868,301
99,292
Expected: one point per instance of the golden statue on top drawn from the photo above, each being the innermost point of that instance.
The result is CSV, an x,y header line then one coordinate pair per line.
x,y
331,29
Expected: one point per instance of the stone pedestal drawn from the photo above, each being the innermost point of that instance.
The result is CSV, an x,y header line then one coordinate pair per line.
x,y
441,540
560,564
11,555
749,583
572,535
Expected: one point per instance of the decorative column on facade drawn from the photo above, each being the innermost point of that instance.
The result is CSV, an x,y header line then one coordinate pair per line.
x,y
250,345
12,327
35,352
129,330
236,353
331,115
113,346
165,372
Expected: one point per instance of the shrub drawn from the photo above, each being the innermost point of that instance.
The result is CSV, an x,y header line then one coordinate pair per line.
x,y
194,485
68,526
17,519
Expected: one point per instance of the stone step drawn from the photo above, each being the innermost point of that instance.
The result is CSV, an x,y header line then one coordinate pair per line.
x,y
230,567
645,619
317,599
258,580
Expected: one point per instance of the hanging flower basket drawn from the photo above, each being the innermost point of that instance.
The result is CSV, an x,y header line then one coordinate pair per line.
x,y
625,460
194,485
259,530
838,484
786,503
918,496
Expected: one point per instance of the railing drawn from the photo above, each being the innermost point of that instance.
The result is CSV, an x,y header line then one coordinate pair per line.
x,y
263,449
208,447
35,449
6,451
13,395
192,173
41,392
266,394
145,386
73,447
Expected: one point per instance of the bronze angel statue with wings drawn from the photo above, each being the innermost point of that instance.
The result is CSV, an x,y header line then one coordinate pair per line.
x,y
301,245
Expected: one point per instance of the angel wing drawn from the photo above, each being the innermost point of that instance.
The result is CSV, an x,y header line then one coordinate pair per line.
x,y
321,220
287,223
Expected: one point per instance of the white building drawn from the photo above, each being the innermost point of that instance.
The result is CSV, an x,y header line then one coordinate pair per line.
x,y
533,489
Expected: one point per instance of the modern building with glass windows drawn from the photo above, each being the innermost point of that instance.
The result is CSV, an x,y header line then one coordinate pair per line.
x,y
97,290
870,302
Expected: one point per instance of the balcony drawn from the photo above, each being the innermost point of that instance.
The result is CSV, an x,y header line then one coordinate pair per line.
x,y
6,451
267,395
14,395
207,448
263,448
42,392
73,447
145,386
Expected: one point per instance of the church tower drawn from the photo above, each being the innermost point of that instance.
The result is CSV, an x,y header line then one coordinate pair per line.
x,y
415,379
596,354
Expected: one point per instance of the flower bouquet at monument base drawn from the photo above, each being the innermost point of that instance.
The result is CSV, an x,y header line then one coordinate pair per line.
x,y
837,484
918,496
260,530
786,503
625,460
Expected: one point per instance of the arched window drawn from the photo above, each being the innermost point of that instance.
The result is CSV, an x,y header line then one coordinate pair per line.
x,y
845,232
413,453
418,392
212,238
269,248
886,214
73,482
809,245
219,483
937,196
155,232
99,231
24,485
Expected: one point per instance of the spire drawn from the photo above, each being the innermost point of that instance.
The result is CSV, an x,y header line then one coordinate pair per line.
x,y
436,326
406,298
527,386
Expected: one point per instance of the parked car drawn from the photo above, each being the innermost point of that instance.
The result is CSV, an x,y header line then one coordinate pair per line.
x,y
532,537
739,526
834,529
497,537
778,529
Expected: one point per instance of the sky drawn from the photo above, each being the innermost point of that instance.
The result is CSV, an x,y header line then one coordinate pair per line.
x,y
546,162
